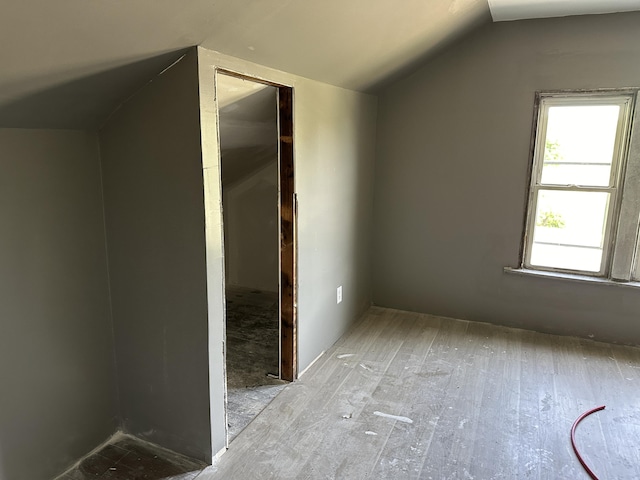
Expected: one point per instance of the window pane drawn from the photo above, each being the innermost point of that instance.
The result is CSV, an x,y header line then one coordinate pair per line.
x,y
569,230
585,175
579,145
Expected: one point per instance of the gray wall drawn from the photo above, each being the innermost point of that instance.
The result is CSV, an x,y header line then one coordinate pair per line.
x,y
334,133
451,178
57,397
152,170
334,140
251,237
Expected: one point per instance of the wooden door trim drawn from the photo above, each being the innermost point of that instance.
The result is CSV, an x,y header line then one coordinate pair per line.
x,y
288,323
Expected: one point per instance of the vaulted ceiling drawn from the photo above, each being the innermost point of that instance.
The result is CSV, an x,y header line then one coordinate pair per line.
x,y
248,126
504,10
68,63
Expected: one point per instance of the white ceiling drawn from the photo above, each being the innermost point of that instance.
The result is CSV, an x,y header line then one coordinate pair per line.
x,y
354,44
69,63
503,10
231,90
248,127
248,113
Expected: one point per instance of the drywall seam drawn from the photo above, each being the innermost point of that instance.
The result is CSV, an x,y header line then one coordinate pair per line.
x,y
106,256
134,94
213,257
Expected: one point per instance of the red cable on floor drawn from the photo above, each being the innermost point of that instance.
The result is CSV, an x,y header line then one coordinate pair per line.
x,y
573,439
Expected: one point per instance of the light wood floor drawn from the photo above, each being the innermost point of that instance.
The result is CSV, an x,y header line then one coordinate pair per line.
x,y
406,395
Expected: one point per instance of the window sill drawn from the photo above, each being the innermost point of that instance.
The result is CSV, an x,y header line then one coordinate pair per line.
x,y
569,276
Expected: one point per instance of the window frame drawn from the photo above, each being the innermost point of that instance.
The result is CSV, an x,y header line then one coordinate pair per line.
x,y
621,248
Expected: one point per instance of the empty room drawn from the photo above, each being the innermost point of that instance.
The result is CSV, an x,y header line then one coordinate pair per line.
x,y
350,239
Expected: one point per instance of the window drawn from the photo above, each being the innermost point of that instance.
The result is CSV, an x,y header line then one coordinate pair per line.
x,y
584,199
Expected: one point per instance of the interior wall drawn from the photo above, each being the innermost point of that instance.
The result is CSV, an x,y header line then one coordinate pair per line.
x,y
334,140
152,170
452,176
251,221
57,368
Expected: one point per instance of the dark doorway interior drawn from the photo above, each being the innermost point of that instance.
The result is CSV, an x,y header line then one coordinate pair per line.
x,y
260,354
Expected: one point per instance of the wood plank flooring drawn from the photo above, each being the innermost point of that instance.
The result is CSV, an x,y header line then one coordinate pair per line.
x,y
407,395
252,354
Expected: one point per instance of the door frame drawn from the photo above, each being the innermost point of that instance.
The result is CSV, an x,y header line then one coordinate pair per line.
x,y
287,208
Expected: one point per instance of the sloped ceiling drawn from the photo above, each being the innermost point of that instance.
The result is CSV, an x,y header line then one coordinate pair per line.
x,y
69,63
356,44
503,10
248,127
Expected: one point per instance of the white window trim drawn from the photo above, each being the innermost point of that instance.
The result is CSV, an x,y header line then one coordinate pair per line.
x,y
571,277
621,247
625,261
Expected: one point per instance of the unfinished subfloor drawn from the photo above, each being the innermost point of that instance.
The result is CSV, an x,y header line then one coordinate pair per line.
x,y
252,354
407,395
128,458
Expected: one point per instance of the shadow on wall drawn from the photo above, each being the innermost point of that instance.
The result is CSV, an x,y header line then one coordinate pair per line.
x,y
414,61
87,100
240,164
3,473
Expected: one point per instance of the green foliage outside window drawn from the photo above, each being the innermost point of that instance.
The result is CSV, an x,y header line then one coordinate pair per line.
x,y
552,151
550,219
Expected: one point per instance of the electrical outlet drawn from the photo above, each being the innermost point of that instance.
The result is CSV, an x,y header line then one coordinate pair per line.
x,y
339,294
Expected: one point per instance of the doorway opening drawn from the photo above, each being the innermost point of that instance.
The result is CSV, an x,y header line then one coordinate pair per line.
x,y
255,128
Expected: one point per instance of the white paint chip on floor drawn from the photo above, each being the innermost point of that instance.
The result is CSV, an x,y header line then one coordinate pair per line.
x,y
491,396
346,355
393,417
